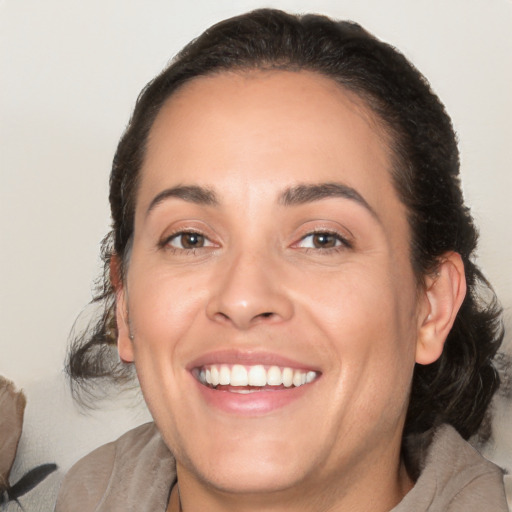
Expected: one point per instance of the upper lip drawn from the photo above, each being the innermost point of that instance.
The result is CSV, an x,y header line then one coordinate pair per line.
x,y
248,358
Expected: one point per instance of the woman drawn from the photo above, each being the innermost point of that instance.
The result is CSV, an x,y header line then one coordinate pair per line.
x,y
290,273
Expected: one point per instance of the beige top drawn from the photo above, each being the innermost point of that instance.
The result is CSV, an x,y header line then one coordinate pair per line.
x,y
136,473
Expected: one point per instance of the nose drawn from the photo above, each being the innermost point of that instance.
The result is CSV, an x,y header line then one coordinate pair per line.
x,y
247,291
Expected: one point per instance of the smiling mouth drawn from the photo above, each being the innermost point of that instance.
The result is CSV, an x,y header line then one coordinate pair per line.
x,y
238,378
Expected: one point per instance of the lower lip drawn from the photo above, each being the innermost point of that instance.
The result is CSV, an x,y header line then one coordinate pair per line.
x,y
251,404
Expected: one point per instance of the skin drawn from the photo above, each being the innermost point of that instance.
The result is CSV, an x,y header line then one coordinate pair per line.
x,y
351,308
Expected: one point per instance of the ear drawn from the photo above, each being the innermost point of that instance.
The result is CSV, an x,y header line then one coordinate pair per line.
x,y
124,342
443,296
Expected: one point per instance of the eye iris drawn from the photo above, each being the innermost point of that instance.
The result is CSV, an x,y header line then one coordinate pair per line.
x,y
192,240
324,240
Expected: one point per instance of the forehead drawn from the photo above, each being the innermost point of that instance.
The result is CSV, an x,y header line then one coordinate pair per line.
x,y
274,100
266,112
265,131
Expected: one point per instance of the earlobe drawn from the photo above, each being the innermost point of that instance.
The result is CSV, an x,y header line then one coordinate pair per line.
x,y
443,296
124,342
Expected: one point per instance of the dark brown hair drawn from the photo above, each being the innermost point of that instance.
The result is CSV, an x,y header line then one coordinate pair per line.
x,y
457,388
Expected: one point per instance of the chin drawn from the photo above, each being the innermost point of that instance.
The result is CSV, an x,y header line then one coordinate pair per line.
x,y
246,468
247,477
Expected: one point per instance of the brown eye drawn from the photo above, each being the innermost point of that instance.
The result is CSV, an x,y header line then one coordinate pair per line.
x,y
192,240
187,240
324,240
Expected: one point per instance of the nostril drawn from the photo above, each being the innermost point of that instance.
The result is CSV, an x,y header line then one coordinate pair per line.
x,y
222,316
266,315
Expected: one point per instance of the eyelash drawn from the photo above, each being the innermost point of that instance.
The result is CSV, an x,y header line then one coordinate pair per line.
x,y
166,242
341,243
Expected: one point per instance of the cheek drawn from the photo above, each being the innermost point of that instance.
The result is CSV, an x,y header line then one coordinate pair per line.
x,y
362,299
163,294
368,319
162,308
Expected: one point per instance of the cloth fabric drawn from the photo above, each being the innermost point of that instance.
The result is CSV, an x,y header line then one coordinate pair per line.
x,y
12,408
137,471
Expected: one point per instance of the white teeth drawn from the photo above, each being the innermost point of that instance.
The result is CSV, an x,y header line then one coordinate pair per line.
x,y
310,377
255,375
224,375
287,377
215,375
239,376
274,376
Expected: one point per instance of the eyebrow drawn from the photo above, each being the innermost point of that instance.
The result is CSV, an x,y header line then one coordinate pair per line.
x,y
190,193
293,196
308,193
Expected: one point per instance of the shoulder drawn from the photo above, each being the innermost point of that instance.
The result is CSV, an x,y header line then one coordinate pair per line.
x,y
136,468
455,478
467,481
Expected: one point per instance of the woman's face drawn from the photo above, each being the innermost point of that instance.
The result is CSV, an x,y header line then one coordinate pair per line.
x,y
271,254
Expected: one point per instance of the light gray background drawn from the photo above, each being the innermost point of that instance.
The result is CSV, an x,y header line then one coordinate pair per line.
x,y
69,75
